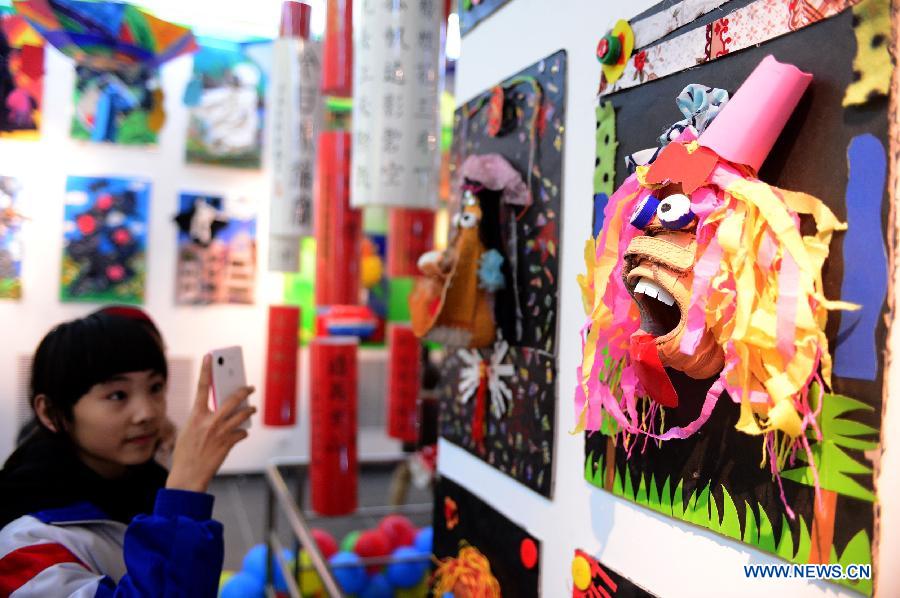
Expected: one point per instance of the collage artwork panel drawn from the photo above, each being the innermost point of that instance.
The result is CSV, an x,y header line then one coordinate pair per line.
x,y
105,239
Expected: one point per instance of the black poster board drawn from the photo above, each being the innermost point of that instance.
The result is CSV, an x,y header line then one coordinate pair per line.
x,y
461,518
520,443
714,478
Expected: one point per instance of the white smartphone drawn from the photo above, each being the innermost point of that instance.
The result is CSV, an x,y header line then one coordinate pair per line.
x,y
227,375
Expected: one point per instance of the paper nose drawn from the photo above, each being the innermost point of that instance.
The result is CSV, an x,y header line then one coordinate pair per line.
x,y
747,128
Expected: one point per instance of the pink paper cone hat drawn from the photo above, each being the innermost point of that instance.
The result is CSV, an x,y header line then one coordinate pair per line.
x,y
747,128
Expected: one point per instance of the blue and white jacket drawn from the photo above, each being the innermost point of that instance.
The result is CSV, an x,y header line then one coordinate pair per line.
x,y
77,551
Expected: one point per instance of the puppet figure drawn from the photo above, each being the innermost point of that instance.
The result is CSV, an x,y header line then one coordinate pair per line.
x,y
453,303
461,312
701,267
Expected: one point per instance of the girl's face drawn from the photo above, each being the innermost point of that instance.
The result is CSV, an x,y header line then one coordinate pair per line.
x,y
119,422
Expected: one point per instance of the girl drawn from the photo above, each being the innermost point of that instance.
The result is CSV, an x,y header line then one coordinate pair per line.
x,y
84,508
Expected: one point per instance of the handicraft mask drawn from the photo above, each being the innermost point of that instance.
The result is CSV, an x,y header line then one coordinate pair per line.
x,y
702,268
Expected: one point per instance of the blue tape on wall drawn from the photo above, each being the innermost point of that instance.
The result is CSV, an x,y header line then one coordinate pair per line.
x,y
600,200
865,260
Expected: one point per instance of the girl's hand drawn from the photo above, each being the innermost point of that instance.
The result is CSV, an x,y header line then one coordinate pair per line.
x,y
208,436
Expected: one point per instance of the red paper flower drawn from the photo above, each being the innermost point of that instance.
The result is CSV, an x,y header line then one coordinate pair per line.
x,y
121,236
115,272
640,61
86,224
495,111
451,512
104,202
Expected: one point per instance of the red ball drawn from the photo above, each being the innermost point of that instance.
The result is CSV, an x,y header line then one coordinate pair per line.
x,y
372,543
399,530
325,541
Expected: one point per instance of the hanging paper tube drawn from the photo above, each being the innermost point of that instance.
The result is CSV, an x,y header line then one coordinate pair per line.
x,y
280,402
337,60
403,382
297,116
333,388
410,235
747,128
396,161
338,226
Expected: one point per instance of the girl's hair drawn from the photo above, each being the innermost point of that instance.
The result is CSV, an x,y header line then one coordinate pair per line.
x,y
76,355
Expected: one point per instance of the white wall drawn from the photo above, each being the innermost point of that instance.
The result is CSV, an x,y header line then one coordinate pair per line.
x,y
42,167
667,557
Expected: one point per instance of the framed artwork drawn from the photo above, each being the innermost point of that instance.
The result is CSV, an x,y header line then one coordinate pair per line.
x,y
216,250
226,100
10,239
593,579
498,384
104,239
21,77
124,106
479,551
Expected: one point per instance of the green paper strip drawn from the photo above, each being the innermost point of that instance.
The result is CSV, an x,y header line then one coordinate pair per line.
x,y
605,165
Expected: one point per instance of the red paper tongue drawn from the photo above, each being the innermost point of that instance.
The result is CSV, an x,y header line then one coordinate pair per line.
x,y
650,371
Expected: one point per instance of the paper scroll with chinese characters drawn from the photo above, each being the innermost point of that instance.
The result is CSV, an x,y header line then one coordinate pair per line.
x,y
297,114
395,111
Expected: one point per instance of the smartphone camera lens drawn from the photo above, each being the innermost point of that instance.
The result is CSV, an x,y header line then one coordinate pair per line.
x,y
221,361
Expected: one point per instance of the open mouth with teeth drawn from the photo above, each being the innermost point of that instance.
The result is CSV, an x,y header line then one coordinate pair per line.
x,y
660,314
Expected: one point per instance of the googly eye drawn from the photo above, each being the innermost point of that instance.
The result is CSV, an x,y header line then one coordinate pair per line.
x,y
644,211
674,212
468,220
454,221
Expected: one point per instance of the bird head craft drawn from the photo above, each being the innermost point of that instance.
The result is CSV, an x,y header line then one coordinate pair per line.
x,y
453,300
702,268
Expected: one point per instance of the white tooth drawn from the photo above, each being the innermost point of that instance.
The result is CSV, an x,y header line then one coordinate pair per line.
x,y
666,297
650,288
639,287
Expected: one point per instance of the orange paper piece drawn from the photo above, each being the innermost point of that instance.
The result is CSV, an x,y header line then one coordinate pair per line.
x,y
676,165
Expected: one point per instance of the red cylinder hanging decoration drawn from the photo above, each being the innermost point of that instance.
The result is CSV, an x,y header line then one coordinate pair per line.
x,y
280,403
410,234
338,226
403,382
337,59
333,387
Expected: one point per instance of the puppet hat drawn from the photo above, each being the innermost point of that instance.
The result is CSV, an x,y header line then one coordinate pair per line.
x,y
747,128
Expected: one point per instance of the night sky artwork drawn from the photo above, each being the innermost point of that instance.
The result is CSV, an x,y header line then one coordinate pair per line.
x,y
105,240
511,427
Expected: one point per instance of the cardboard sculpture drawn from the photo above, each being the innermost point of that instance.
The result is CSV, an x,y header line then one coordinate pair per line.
x,y
702,268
